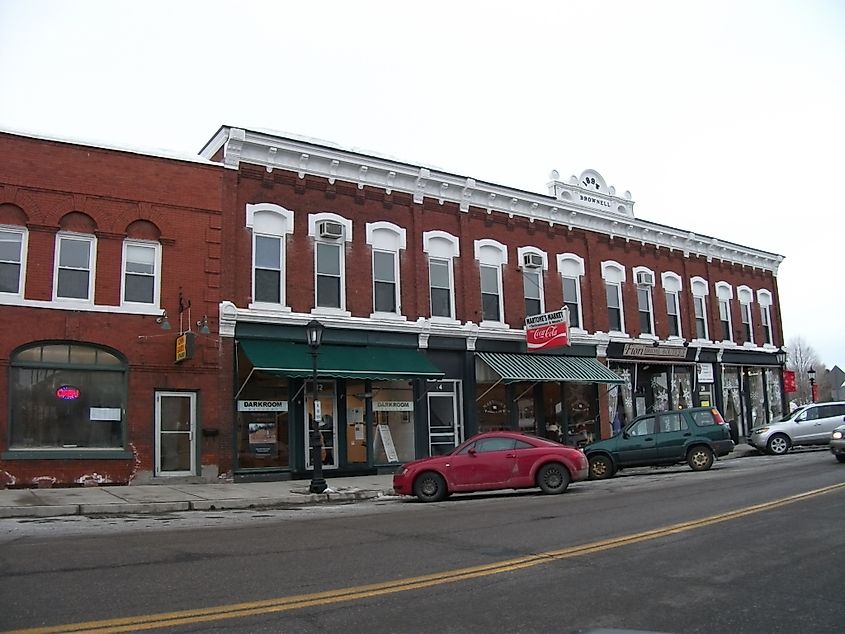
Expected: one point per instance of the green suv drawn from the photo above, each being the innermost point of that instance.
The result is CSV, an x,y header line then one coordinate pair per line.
x,y
696,436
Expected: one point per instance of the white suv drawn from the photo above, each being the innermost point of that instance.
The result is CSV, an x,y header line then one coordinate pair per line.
x,y
808,425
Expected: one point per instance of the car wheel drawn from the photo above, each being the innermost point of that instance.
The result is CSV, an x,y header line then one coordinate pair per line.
x,y
430,487
700,458
840,458
601,467
778,445
553,478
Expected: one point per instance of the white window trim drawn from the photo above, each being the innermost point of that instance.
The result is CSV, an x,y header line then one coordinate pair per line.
x,y
613,273
16,298
764,299
493,254
520,254
313,223
156,303
92,269
284,226
389,238
700,288
745,296
568,263
650,289
441,245
725,293
673,284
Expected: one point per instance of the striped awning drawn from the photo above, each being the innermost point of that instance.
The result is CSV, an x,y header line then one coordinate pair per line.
x,y
546,367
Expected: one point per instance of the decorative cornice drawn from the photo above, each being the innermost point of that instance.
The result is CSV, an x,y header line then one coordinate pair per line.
x,y
571,205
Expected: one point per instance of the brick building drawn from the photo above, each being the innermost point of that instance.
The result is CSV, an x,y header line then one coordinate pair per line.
x,y
96,245
423,280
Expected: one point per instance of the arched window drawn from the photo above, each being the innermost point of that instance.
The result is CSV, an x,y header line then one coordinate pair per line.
x,y
270,224
613,274
442,248
644,278
331,232
491,256
672,287
764,298
386,240
700,289
67,396
746,296
533,263
571,269
725,293
12,261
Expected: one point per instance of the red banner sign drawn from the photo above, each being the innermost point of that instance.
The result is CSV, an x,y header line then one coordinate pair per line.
x,y
789,381
815,393
549,330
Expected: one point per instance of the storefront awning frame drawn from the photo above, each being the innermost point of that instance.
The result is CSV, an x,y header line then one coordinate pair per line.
x,y
514,368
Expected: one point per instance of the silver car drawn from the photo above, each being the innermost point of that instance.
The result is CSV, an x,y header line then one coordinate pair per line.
x,y
837,443
808,425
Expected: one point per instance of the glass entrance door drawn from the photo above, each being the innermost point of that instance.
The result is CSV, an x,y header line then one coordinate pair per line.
x,y
445,431
326,396
176,450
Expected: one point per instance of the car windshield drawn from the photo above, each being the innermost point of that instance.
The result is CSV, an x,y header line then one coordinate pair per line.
x,y
790,415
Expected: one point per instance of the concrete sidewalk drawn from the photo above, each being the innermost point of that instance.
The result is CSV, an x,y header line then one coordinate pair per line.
x,y
164,498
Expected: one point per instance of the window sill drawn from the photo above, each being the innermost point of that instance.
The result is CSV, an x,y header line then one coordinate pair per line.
x,y
330,312
269,306
388,316
494,325
66,454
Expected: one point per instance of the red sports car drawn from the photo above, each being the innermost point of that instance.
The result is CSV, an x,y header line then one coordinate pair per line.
x,y
493,460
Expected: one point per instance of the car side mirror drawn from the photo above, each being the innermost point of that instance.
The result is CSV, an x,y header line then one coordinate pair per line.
x,y
625,435
471,452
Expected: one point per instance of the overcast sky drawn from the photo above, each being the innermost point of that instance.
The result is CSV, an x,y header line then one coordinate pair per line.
x,y
724,118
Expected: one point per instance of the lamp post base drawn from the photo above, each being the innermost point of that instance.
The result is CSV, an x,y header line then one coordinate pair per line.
x,y
318,486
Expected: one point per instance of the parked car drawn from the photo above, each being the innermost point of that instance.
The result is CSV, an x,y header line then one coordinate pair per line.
x,y
837,443
696,436
493,460
808,425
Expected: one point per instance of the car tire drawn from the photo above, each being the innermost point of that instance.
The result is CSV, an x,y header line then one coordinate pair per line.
x,y
778,445
840,458
601,467
700,458
430,487
553,478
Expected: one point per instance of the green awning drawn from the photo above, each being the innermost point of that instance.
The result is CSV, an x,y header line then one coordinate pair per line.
x,y
547,367
347,362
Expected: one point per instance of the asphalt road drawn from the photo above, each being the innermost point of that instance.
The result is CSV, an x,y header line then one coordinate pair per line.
x,y
754,545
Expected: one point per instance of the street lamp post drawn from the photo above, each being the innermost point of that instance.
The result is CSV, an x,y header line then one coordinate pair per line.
x,y
812,374
781,357
314,333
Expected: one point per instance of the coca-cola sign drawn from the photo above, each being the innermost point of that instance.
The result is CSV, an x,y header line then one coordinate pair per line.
x,y
548,330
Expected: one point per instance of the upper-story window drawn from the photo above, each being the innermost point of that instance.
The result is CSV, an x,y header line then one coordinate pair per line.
x,y
644,278
533,263
700,289
571,269
764,298
672,287
74,274
613,274
491,256
746,296
141,266
12,252
442,248
330,233
270,224
724,294
386,240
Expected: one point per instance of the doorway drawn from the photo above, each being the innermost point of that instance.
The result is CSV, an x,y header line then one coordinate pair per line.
x,y
176,421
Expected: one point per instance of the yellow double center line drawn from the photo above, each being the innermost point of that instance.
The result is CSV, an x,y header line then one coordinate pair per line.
x,y
282,604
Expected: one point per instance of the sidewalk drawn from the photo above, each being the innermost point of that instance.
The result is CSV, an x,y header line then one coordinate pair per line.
x,y
164,498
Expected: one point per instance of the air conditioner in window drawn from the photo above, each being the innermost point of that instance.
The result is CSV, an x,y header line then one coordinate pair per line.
x,y
329,229
645,278
532,260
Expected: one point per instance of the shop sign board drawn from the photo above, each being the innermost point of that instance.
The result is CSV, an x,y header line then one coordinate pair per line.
x,y
184,347
393,406
704,372
262,406
547,330
387,441
645,350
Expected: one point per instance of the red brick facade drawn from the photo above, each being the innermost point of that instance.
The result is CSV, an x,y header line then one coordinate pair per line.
x,y
47,187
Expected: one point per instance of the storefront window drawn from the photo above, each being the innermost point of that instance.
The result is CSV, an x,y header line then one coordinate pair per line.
x,y
758,404
393,421
681,387
581,403
621,397
263,421
67,396
775,397
492,406
731,394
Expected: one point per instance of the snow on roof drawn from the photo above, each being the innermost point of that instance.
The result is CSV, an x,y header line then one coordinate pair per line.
x,y
157,152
